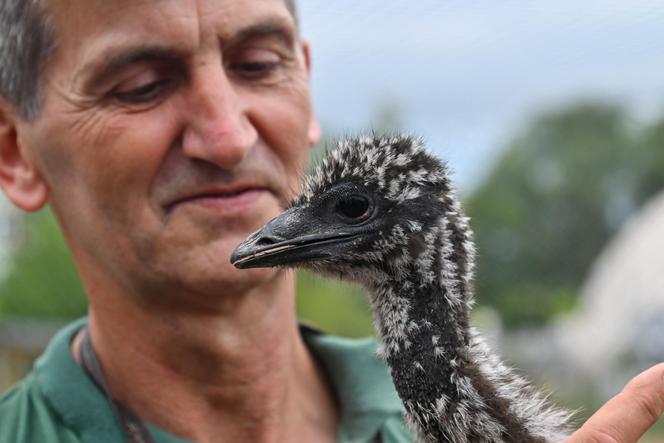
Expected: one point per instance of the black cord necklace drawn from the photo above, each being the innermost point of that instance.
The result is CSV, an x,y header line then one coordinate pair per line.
x,y
133,427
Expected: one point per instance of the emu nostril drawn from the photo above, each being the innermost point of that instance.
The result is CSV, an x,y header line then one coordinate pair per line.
x,y
267,240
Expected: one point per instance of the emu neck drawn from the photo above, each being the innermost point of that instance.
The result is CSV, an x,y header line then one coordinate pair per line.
x,y
425,336
439,368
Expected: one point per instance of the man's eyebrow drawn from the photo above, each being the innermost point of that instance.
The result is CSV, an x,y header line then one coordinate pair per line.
x,y
278,29
98,72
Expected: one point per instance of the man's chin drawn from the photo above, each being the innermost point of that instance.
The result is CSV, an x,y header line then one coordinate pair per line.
x,y
228,284
195,249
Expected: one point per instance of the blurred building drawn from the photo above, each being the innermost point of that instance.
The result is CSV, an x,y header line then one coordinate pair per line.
x,y
9,232
618,328
20,342
620,321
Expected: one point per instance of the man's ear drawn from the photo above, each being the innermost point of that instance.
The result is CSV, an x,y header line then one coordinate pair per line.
x,y
19,177
314,126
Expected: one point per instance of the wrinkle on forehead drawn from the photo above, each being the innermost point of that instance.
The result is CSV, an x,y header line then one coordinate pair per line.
x,y
80,20
103,14
88,29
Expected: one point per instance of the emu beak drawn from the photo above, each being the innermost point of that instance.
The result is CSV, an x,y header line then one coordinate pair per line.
x,y
288,239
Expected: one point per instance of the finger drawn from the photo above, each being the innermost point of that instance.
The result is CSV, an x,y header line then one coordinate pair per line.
x,y
628,415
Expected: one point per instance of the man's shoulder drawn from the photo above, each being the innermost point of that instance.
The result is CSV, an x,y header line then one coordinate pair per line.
x,y
369,403
360,378
26,417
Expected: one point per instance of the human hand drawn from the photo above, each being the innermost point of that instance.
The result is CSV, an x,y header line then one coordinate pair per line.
x,y
628,415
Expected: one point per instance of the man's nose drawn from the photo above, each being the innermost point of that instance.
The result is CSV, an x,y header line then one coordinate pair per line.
x,y
219,128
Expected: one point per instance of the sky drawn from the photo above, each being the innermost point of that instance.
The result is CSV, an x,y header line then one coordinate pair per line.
x,y
467,75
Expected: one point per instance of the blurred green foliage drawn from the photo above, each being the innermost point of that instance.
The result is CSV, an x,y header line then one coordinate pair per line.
x,y
558,192
554,198
334,306
42,281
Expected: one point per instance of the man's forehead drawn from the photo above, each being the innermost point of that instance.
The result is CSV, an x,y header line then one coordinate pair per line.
x,y
86,30
289,4
71,15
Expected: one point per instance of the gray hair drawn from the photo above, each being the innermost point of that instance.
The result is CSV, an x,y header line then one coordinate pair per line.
x,y
26,42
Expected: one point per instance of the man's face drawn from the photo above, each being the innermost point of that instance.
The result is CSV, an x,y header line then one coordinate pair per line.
x,y
171,129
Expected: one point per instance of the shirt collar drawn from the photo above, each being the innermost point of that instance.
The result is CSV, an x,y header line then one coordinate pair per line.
x,y
72,394
361,382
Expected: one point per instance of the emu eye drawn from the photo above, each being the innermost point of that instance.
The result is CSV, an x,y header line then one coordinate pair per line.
x,y
353,206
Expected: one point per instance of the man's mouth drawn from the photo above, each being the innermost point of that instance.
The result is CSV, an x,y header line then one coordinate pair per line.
x,y
225,200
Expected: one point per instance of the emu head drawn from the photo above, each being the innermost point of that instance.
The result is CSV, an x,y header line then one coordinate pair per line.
x,y
367,209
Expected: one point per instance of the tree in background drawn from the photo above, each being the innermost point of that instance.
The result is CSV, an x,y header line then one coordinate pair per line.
x,y
651,159
558,193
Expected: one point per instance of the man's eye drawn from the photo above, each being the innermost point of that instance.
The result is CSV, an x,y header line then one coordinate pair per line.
x,y
143,87
144,93
255,63
254,70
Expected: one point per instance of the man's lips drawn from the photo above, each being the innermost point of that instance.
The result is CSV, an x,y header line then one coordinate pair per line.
x,y
232,199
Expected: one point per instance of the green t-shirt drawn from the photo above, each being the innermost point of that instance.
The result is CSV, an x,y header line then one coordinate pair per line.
x,y
58,403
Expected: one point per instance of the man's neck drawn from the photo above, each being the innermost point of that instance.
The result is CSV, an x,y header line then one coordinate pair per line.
x,y
244,375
